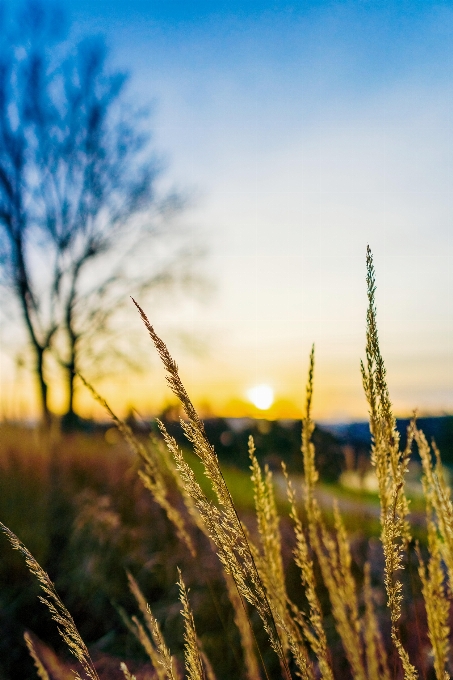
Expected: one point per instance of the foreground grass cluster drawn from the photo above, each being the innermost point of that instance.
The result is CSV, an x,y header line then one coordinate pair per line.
x,y
336,600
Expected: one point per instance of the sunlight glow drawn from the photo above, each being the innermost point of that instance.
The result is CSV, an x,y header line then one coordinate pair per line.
x,y
261,396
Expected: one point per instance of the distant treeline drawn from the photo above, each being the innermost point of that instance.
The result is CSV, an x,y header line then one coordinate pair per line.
x,y
439,428
279,440
275,441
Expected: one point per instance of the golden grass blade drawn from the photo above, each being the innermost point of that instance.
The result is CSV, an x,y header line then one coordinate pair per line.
x,y
391,466
432,575
207,666
151,474
333,556
241,618
437,495
58,611
143,637
376,658
345,613
340,561
244,627
270,563
308,449
308,458
159,653
370,628
344,560
162,649
126,672
222,522
436,603
348,585
40,668
270,558
315,634
193,662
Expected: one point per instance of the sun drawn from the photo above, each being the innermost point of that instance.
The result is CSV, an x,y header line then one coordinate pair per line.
x,y
261,396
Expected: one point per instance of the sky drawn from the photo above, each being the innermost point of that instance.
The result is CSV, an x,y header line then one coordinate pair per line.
x,y
303,131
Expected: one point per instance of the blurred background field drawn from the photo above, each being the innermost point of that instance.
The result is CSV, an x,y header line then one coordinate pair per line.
x,y
78,504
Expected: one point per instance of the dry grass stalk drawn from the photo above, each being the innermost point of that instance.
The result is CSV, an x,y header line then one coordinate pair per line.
x,y
59,613
339,582
437,495
207,665
40,668
314,631
345,578
222,521
308,449
269,559
127,674
244,627
151,640
270,563
55,667
432,576
376,658
391,466
151,473
192,657
144,638
154,482
333,556
162,649
343,594
436,603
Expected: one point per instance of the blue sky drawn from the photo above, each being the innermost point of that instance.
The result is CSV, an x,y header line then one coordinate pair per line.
x,y
305,131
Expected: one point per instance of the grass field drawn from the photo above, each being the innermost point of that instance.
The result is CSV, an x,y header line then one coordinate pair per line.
x,y
77,503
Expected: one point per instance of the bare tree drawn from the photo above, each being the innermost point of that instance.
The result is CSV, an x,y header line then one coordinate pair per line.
x,y
78,197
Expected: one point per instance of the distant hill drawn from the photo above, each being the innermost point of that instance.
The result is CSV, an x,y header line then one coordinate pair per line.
x,y
439,428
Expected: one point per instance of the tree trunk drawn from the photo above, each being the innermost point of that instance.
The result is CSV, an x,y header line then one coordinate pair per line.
x,y
71,376
43,389
71,420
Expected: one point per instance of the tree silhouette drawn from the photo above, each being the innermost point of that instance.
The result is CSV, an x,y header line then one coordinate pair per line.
x,y
78,197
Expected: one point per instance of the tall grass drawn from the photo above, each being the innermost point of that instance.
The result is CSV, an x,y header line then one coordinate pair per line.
x,y
335,607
